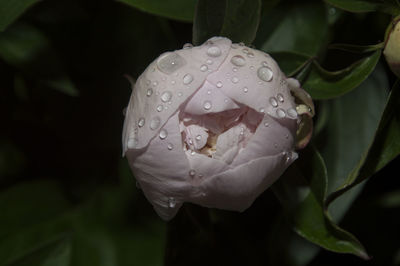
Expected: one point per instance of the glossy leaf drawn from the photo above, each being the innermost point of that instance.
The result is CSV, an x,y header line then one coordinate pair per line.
x,y
289,62
302,191
348,127
237,20
11,10
323,84
356,48
384,148
288,27
174,9
389,7
22,45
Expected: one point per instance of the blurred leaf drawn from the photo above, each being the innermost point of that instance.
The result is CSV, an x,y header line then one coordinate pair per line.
x,y
356,48
384,148
236,20
174,9
289,27
323,84
289,62
390,199
390,7
349,131
27,48
304,205
10,10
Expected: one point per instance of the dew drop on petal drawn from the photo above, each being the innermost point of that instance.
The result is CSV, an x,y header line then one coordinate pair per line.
x,y
264,63
132,143
265,73
266,124
250,54
198,137
166,96
171,202
149,92
280,97
170,146
238,60
180,94
219,84
214,51
155,123
209,61
235,80
234,45
163,133
170,62
159,108
273,101
208,92
187,46
245,50
261,110
245,89
292,113
280,113
187,79
203,68
192,172
141,122
207,105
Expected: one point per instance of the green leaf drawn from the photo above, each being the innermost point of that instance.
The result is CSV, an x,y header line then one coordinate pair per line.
x,y
358,6
289,27
348,133
28,49
236,20
323,84
356,48
182,10
384,148
289,62
302,191
11,10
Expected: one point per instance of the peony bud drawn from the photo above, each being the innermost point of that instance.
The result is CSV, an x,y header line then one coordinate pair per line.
x,y
213,125
392,46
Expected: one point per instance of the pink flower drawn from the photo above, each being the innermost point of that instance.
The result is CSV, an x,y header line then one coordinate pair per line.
x,y
214,125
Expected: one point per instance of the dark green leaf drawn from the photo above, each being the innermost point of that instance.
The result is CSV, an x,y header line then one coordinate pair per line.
x,y
11,10
27,48
348,133
356,48
236,20
174,9
289,62
302,191
288,27
389,7
323,84
385,147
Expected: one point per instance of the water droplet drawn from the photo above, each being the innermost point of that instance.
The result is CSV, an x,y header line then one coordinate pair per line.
x,y
292,113
234,45
241,44
245,89
166,96
180,94
198,137
187,46
141,122
261,110
225,100
251,67
266,124
207,105
170,62
250,54
214,51
273,101
280,97
192,172
208,92
173,82
219,84
170,146
149,92
187,79
163,133
203,68
155,83
209,61
234,69
264,63
245,50
235,80
238,60
265,73
171,202
280,113
159,108
155,123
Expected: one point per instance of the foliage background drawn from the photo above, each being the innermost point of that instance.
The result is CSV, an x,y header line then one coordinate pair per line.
x,y
68,198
